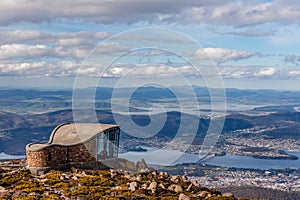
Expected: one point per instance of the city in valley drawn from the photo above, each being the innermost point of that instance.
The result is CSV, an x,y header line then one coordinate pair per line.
x,y
263,133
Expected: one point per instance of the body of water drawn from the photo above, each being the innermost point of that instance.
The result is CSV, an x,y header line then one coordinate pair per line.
x,y
248,162
4,156
165,157
171,157
197,110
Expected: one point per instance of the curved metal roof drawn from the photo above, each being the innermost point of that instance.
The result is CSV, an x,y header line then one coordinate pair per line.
x,y
72,134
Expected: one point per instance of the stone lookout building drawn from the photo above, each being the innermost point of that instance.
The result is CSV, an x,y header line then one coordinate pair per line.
x,y
80,145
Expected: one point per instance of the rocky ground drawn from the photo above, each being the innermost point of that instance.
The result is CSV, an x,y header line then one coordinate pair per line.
x,y
102,184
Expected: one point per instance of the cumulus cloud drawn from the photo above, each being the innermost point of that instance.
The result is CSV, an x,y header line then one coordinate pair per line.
x,y
258,72
267,72
31,44
67,68
106,11
89,69
229,12
243,13
77,52
23,36
151,70
38,69
13,51
238,71
55,69
294,73
145,70
62,38
226,71
221,55
24,51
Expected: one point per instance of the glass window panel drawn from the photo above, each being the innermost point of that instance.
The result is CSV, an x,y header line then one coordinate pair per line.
x,y
108,144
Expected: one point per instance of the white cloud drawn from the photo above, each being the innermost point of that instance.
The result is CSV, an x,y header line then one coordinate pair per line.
x,y
245,13
221,55
228,12
62,38
253,72
258,72
294,73
13,51
105,11
24,51
28,44
38,69
149,70
19,36
87,71
67,68
267,72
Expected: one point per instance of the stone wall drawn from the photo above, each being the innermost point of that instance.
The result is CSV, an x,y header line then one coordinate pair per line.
x,y
55,155
83,152
48,156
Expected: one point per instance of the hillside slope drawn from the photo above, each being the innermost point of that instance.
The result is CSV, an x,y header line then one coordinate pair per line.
x,y
102,184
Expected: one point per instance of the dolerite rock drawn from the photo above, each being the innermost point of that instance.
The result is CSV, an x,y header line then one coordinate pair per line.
x,y
203,194
227,194
162,175
195,183
144,186
185,180
74,170
175,179
154,173
2,189
183,197
152,187
138,178
192,188
178,189
133,186
189,188
113,173
175,188
162,185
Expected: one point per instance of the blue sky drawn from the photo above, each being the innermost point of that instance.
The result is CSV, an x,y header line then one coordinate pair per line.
x,y
253,44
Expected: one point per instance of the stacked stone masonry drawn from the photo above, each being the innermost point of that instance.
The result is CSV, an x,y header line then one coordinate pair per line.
x,y
59,155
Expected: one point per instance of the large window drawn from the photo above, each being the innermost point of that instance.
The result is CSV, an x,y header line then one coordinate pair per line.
x,y
108,144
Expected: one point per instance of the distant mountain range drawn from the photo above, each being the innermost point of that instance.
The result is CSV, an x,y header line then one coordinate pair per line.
x,y
150,92
17,131
30,115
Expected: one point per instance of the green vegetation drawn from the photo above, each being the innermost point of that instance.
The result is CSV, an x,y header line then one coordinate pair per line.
x,y
14,178
29,197
99,184
30,186
95,181
51,197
